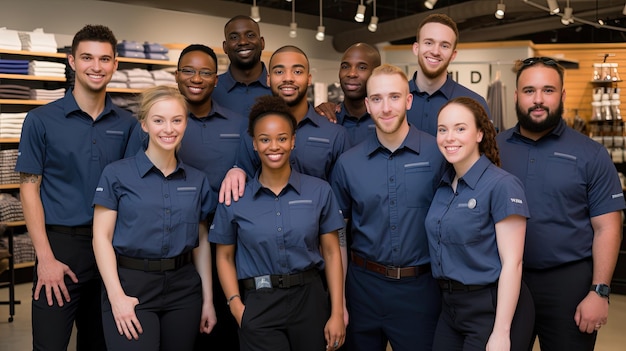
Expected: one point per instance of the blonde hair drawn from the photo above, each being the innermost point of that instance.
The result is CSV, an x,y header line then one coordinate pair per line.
x,y
388,69
151,96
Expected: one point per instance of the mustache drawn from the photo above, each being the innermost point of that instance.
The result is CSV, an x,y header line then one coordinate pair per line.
x,y
536,107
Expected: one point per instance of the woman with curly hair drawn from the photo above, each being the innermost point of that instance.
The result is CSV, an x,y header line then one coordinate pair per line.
x,y
476,229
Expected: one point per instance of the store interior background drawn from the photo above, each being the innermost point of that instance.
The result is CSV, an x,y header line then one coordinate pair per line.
x,y
483,52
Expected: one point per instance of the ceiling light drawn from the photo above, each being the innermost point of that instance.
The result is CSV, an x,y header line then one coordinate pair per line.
x,y
500,10
624,10
373,24
553,6
320,29
430,4
293,26
320,33
601,21
360,13
374,20
254,12
567,16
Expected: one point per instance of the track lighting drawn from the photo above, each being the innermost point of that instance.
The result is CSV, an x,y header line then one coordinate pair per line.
x,y
255,13
553,6
430,4
320,29
567,16
293,26
500,10
374,20
360,13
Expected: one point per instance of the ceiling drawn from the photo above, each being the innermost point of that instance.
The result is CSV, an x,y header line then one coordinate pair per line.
x,y
398,19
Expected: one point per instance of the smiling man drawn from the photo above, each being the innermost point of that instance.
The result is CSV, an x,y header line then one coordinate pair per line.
x,y
431,87
64,147
246,78
384,186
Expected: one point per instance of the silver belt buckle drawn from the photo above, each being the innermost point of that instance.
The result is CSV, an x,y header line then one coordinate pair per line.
x,y
390,269
262,282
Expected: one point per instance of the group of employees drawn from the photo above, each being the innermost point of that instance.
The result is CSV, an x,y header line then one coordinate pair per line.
x,y
232,214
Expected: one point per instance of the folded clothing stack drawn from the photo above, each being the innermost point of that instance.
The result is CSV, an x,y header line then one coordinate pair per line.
x,y
23,250
13,66
163,77
128,102
155,51
138,78
8,175
10,39
130,49
14,91
46,68
39,41
118,80
47,94
10,209
11,124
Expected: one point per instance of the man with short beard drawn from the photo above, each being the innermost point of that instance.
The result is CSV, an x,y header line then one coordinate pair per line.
x,y
246,78
575,201
435,48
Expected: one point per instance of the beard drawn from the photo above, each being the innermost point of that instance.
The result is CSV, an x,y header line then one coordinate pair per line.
x,y
296,99
526,122
430,74
247,64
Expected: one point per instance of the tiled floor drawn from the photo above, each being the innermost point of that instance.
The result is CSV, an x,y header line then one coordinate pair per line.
x,y
16,336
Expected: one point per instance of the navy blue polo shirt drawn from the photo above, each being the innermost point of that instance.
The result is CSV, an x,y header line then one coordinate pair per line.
x,y
358,128
318,145
69,150
278,234
569,178
210,143
387,194
425,108
461,225
157,216
237,96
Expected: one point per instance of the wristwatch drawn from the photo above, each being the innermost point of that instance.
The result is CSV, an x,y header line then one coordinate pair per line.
x,y
602,290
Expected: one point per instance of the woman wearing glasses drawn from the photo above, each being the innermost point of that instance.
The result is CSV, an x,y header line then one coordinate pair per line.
x,y
476,228
150,237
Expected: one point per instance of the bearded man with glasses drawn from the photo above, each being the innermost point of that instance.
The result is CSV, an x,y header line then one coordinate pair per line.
x,y
575,200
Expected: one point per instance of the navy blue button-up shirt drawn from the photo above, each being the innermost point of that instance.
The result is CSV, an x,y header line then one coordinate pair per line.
x,y
425,108
461,225
358,128
386,196
278,234
69,149
318,145
569,178
237,96
157,216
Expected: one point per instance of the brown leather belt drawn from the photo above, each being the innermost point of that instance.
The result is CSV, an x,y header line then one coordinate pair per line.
x,y
154,265
390,271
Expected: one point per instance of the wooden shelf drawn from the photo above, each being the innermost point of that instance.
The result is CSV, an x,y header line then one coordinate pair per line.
x,y
13,224
25,265
24,102
124,90
9,140
31,77
145,61
9,186
33,53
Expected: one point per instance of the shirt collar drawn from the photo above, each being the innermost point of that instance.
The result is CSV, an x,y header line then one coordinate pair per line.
x,y
313,117
295,180
473,175
229,82
446,89
70,105
144,165
343,114
217,111
411,142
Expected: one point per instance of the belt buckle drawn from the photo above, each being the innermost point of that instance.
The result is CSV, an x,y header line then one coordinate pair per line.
x,y
262,282
392,276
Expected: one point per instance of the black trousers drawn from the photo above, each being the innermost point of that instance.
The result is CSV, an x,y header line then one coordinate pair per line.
x,y
290,319
467,319
52,325
169,310
556,293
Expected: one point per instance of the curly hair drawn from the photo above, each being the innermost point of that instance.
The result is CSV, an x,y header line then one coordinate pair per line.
x,y
488,145
94,32
270,105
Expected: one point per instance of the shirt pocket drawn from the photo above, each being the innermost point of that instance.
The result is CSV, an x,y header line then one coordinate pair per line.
x,y
559,165
418,180
189,207
465,223
304,225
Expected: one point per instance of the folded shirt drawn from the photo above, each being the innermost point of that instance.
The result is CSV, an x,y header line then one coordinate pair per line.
x,y
46,64
154,47
129,46
10,39
14,87
156,56
131,54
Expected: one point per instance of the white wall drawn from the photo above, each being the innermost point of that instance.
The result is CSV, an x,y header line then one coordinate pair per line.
x,y
131,22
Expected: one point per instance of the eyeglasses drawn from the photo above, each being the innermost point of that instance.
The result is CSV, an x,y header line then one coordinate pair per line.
x,y
534,60
190,72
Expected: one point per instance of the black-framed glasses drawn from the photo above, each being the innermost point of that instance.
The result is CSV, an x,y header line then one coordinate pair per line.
x,y
545,60
190,72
